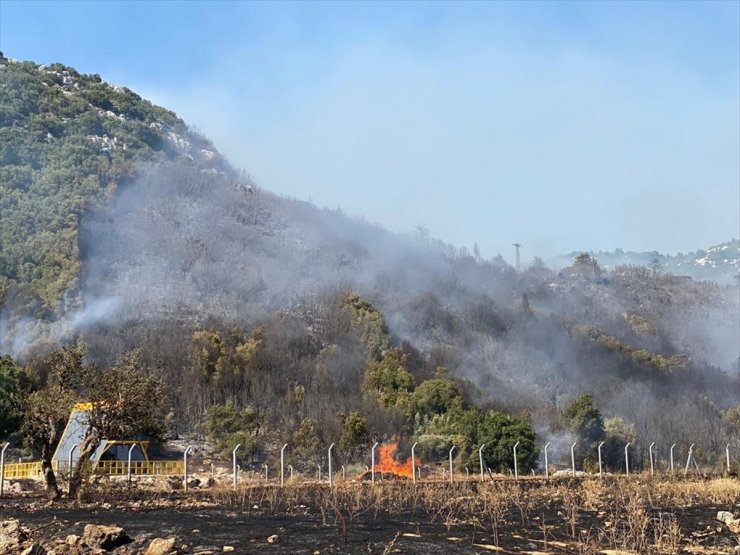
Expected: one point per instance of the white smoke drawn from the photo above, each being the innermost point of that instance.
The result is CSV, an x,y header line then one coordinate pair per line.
x,y
19,337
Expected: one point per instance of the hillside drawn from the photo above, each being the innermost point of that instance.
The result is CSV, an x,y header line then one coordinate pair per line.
x,y
67,141
719,263
121,227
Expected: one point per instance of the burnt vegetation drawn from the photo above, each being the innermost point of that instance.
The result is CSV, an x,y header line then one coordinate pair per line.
x,y
258,319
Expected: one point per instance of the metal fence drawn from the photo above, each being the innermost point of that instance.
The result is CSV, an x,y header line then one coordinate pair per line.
x,y
105,468
22,470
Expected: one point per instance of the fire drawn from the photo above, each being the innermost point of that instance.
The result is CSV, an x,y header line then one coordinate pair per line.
x,y
386,462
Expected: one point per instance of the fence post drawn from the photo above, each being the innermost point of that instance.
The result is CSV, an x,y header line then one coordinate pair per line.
x,y
2,468
480,460
547,468
627,458
185,466
516,466
233,464
451,477
601,473
727,456
372,462
573,458
69,462
330,475
652,468
413,462
688,460
128,467
282,465
672,472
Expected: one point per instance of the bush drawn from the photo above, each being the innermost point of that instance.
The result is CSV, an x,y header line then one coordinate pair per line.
x,y
227,426
354,433
436,396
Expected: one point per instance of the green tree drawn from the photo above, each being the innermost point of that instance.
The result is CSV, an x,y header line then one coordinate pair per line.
x,y
304,444
12,386
469,428
585,422
389,379
731,417
369,323
617,434
228,426
587,264
46,411
436,396
126,401
354,433
500,432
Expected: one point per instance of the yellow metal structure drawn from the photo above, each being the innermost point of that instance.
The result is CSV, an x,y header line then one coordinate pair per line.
x,y
138,468
15,471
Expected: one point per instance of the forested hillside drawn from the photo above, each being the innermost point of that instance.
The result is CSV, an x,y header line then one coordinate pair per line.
x,y
66,142
719,263
267,318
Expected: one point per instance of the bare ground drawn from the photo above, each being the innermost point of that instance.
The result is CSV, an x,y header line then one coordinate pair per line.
x,y
573,516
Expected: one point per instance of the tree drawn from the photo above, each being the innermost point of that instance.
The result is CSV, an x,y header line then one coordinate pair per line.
x,y
46,411
617,434
126,401
11,392
369,324
389,379
537,262
467,429
303,443
586,424
655,267
500,432
436,396
44,415
227,426
422,232
731,418
587,261
354,433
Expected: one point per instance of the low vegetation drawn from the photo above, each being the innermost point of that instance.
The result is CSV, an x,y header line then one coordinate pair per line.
x,y
576,516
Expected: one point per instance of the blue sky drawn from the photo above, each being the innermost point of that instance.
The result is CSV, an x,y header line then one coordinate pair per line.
x,y
562,126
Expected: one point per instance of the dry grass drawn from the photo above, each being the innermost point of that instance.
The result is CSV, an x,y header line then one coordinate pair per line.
x,y
634,515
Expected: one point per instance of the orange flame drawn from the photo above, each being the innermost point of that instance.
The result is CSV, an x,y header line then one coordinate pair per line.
x,y
387,463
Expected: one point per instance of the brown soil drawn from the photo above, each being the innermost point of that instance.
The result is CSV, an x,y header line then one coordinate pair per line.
x,y
207,520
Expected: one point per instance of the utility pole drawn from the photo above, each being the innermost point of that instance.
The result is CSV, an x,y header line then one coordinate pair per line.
x,y
518,262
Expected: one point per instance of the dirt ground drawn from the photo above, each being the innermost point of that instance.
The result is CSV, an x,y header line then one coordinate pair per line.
x,y
533,517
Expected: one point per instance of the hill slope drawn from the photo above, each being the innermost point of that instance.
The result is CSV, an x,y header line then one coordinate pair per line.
x,y
718,263
121,226
66,142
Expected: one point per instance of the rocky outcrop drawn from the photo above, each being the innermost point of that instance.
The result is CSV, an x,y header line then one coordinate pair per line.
x,y
732,522
12,536
104,537
161,546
